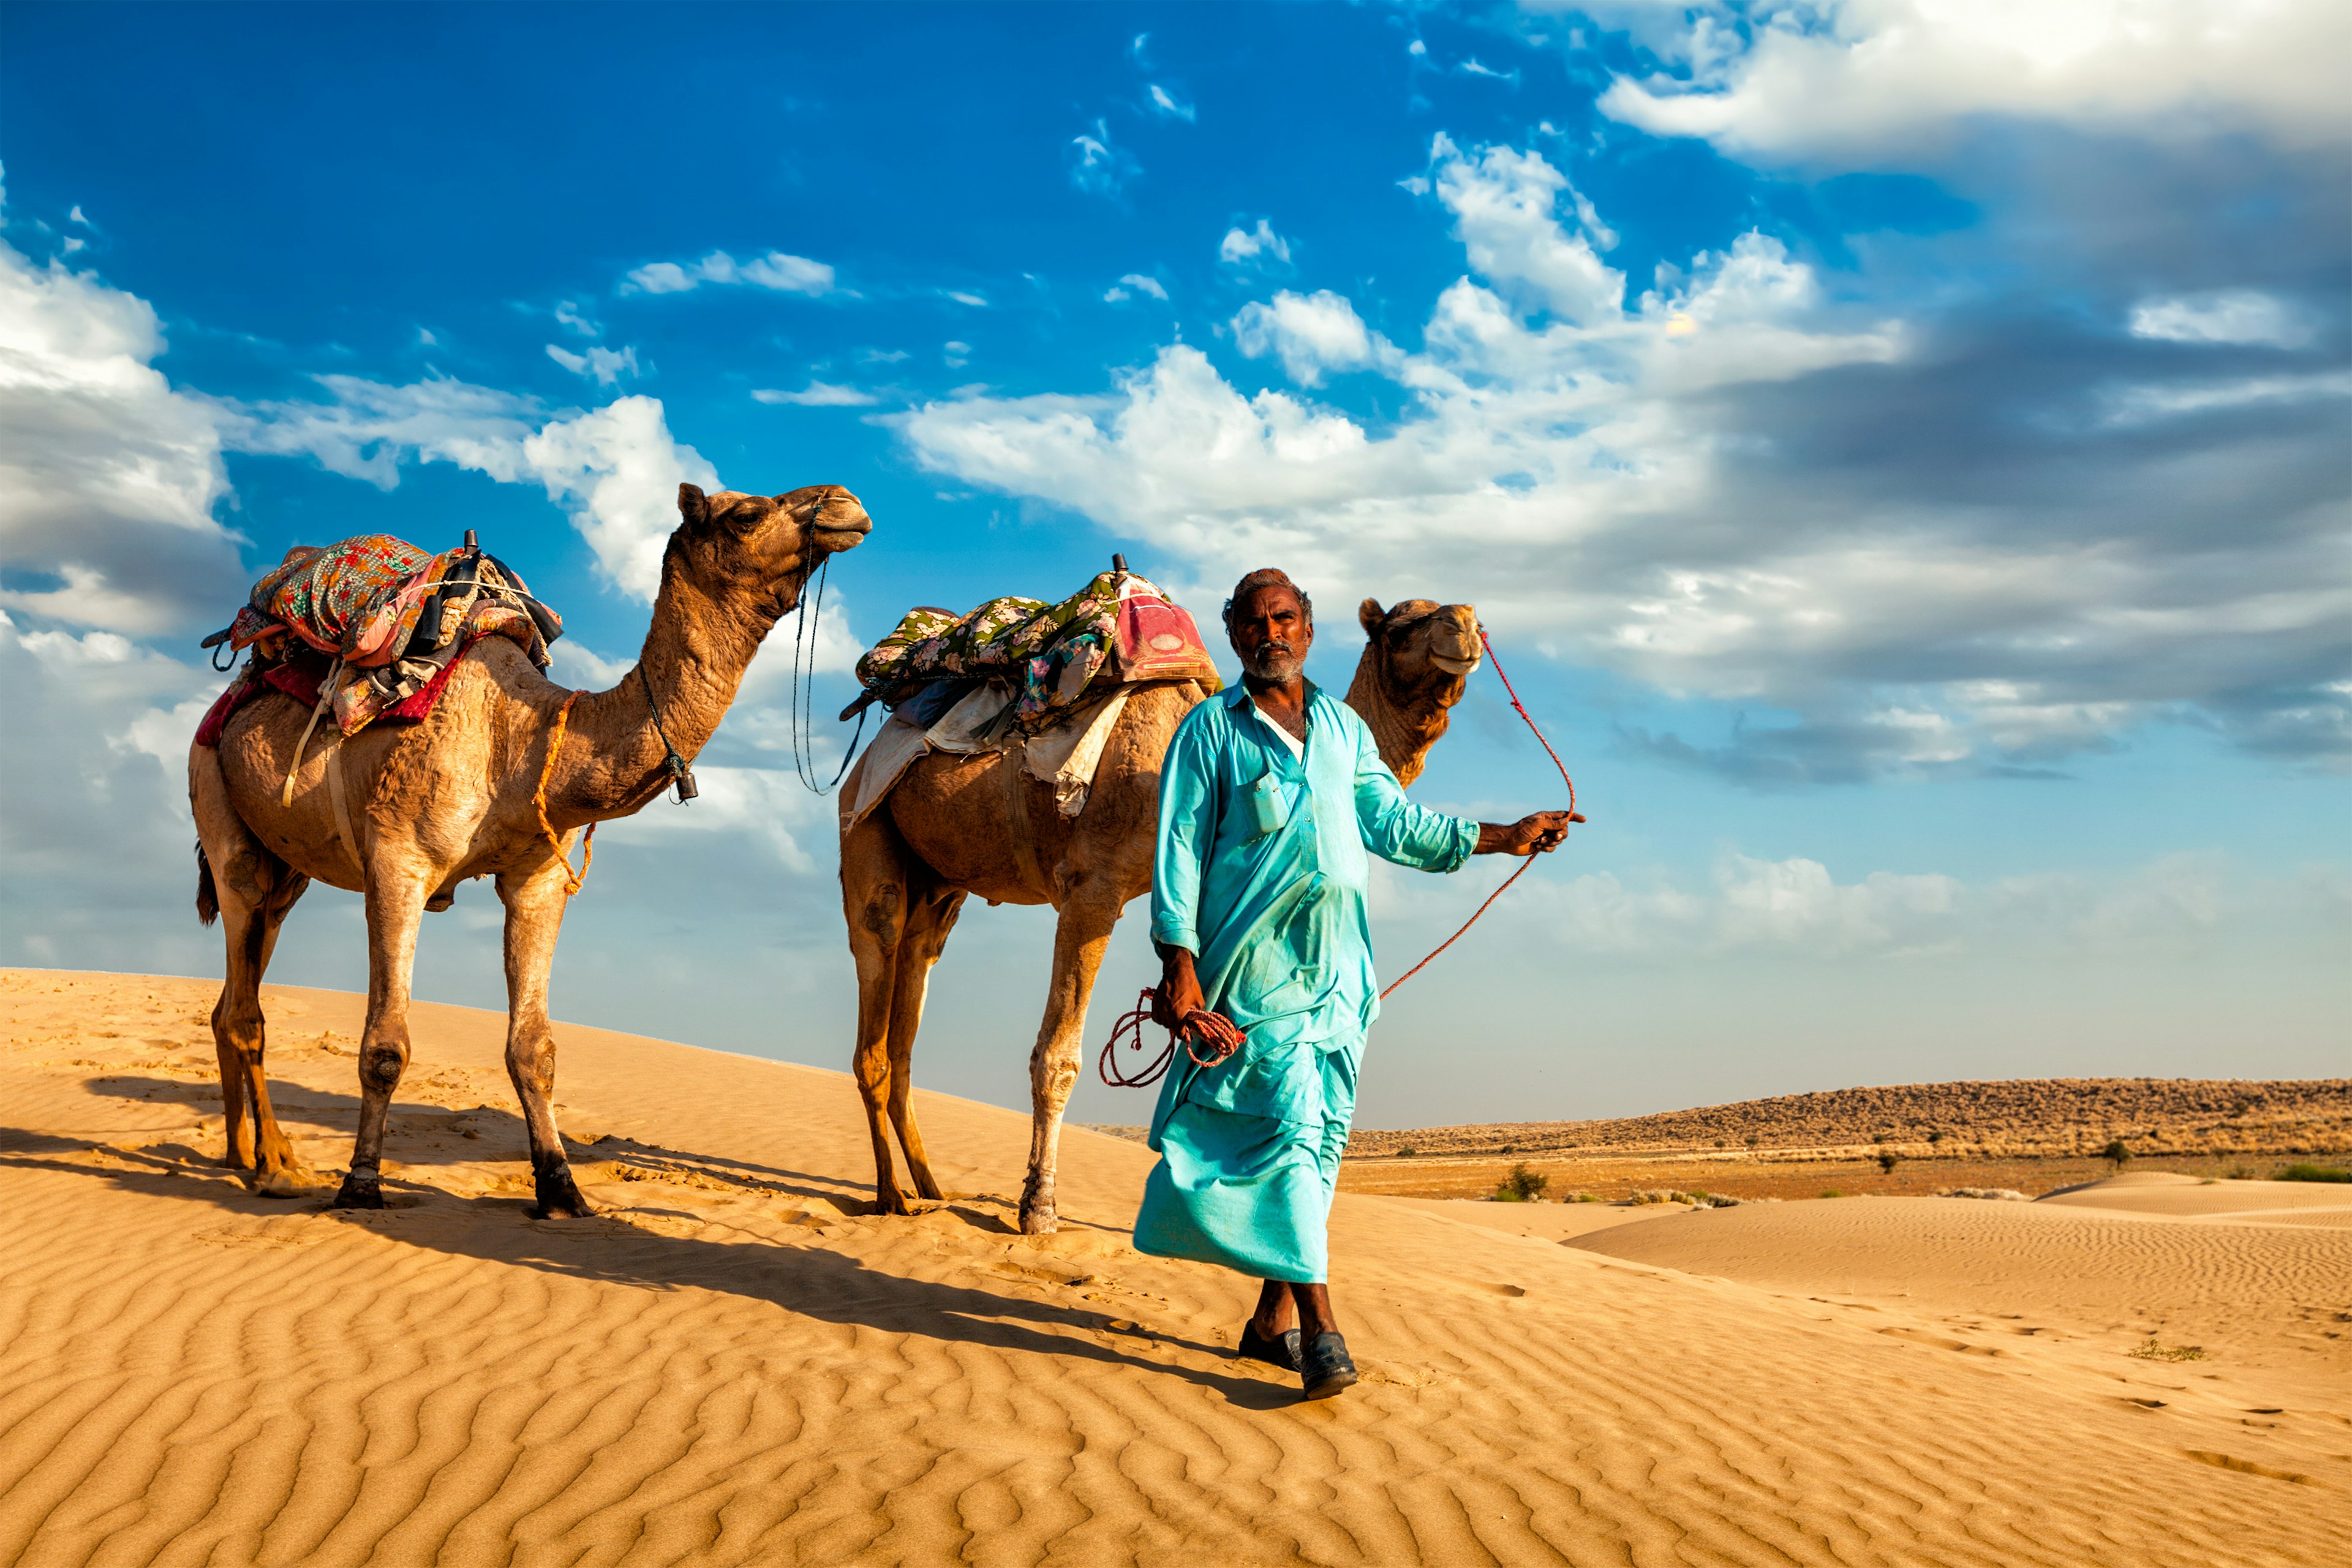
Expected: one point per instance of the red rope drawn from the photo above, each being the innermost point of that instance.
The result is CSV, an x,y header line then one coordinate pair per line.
x,y
1212,1030
1531,860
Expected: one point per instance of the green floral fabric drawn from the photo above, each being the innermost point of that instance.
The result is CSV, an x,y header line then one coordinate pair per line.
x,y
1048,654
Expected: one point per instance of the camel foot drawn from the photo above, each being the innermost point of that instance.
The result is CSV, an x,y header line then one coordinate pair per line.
x,y
559,1196
359,1191
288,1182
890,1200
1037,1216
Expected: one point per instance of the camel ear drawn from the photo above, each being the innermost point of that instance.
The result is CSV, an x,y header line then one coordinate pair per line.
x,y
1371,614
693,506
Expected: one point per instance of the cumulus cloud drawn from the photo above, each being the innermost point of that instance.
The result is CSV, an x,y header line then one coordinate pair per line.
x,y
1864,81
110,476
2246,316
1310,333
1736,488
1259,247
783,274
615,469
816,395
602,366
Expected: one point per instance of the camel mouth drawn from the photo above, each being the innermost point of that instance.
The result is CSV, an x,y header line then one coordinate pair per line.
x,y
1452,666
834,534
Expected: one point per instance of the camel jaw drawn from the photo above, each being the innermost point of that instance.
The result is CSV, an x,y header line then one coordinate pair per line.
x,y
1455,666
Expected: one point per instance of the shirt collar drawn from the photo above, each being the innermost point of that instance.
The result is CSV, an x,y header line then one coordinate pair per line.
x,y
1237,694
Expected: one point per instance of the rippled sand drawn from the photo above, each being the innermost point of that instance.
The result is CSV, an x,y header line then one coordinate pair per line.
x,y
734,1365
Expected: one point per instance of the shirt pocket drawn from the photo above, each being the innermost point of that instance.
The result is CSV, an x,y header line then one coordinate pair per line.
x,y
1269,805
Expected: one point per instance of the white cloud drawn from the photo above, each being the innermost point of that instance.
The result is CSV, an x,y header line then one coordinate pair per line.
x,y
955,355
2146,402
777,272
1260,246
1867,81
1169,107
602,365
1311,334
977,301
2224,316
1505,206
615,469
1145,284
816,395
568,314
109,476
1098,166
1604,476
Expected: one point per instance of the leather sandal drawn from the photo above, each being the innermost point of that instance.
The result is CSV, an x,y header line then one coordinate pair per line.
x,y
1281,1351
1324,1365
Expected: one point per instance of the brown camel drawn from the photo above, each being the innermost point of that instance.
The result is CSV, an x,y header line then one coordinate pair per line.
x,y
402,813
959,824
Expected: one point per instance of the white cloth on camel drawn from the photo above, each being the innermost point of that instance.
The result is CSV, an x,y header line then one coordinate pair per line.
x,y
1065,756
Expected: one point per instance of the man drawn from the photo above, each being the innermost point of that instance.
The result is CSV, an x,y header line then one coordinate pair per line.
x,y
1270,795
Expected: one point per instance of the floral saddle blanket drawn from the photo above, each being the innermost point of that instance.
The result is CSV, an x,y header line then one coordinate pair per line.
x,y
376,624
1046,657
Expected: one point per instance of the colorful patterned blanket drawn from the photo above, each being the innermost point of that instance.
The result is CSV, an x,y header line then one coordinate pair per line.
x,y
395,616
1117,629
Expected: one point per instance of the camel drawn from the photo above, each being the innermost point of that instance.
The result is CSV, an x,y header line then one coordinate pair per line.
x,y
402,813
960,824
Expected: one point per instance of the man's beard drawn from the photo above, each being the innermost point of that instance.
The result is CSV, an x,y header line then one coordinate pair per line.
x,y
1274,662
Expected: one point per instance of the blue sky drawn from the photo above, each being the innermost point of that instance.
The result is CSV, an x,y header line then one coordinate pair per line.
x,y
1901,452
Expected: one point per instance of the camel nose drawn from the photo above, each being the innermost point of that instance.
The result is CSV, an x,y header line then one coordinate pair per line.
x,y
842,524
1453,640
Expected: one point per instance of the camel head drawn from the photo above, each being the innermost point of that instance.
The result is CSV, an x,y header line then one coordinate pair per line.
x,y
1416,666
764,546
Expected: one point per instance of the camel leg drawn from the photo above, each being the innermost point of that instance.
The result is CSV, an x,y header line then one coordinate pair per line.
x,y
926,934
534,902
1079,939
874,906
396,904
254,889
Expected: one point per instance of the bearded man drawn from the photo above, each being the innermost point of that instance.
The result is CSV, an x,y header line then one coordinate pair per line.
x,y
1270,796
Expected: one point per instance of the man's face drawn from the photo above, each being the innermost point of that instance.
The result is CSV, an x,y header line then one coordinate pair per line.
x,y
1272,634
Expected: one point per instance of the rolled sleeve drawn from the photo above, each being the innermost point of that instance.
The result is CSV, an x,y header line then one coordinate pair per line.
x,y
1187,833
1395,828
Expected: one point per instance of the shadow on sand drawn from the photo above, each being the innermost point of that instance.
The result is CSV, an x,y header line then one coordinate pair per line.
x,y
810,1279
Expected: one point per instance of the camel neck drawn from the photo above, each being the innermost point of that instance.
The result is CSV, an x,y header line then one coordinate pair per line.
x,y
695,653
1403,734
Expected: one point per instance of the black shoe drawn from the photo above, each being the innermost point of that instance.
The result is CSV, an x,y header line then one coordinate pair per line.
x,y
1325,1367
1281,1351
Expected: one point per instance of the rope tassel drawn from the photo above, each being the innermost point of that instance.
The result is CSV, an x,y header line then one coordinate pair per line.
x,y
572,883
1200,1029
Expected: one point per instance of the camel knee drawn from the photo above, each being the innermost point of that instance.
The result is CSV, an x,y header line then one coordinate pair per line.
x,y
532,1064
380,1064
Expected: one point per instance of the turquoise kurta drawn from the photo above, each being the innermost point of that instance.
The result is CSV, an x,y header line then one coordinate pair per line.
x,y
1263,873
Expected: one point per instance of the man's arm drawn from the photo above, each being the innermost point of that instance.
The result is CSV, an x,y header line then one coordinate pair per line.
x,y
1188,832
1538,833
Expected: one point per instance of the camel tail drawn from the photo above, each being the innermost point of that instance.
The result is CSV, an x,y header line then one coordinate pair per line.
x,y
207,896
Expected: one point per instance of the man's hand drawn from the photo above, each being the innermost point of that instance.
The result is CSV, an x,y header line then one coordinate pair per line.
x,y
1538,833
1180,988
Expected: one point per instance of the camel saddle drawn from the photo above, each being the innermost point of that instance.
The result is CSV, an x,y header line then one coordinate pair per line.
x,y
1047,659
375,624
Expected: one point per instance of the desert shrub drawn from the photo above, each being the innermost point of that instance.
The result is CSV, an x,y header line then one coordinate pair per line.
x,y
1831,1192
1998,1195
2151,1351
1888,1160
1751,1140
1406,1151
2238,1174
1581,1198
2303,1173
1522,1185
2117,1155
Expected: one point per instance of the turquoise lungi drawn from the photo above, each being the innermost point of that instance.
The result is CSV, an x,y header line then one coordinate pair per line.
x,y
1249,1193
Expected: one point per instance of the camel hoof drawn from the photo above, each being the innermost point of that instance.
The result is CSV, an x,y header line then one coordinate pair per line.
x,y
891,1201
560,1197
359,1192
1039,1220
291,1182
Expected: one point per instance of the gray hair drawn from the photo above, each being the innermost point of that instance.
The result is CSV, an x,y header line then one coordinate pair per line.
x,y
1267,577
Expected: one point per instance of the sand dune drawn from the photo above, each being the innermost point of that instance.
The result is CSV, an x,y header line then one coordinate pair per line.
x,y
735,1365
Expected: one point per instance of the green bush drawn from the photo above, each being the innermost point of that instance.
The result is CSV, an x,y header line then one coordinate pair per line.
x,y
2303,1173
2117,1155
1522,1185
1888,1160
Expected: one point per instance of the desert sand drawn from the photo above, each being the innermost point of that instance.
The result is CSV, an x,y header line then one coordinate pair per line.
x,y
733,1363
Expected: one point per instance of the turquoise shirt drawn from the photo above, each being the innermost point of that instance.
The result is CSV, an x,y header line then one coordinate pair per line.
x,y
1263,873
